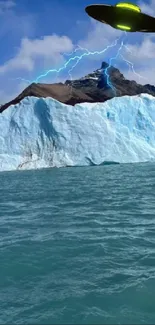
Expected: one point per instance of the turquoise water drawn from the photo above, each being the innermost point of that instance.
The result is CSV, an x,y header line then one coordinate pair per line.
x,y
77,245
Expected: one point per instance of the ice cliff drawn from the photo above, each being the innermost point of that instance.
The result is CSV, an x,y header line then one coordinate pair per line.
x,y
40,132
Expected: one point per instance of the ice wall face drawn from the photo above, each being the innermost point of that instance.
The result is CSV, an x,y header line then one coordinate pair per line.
x,y
46,133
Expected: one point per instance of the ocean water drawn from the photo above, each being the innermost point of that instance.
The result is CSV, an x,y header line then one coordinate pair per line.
x,y
77,245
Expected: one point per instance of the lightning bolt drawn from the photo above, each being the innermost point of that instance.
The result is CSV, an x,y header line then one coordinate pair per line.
x,y
130,64
73,57
76,58
110,64
76,50
89,53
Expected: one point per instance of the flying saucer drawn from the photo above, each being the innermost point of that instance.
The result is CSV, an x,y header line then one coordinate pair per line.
x,y
124,16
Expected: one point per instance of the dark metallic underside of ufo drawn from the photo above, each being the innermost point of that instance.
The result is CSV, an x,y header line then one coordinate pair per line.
x,y
125,16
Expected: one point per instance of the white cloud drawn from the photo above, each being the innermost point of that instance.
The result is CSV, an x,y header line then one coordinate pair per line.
x,y
48,51
99,36
143,57
144,51
48,47
142,75
148,8
6,5
142,54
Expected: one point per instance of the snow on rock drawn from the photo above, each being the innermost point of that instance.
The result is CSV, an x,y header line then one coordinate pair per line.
x,y
41,132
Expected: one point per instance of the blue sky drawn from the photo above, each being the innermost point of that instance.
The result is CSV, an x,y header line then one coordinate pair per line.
x,y
35,35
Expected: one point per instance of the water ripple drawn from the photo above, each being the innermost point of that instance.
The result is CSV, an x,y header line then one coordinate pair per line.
x,y
77,245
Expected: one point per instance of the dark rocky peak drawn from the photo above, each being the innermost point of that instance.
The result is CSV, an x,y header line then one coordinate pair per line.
x,y
90,88
150,87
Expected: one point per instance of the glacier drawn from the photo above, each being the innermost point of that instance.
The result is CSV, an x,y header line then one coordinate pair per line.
x,y
42,132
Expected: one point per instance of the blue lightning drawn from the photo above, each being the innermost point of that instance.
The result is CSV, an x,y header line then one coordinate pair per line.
x,y
106,70
110,64
77,58
76,50
130,64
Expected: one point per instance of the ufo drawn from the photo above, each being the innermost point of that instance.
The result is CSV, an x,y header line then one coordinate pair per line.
x,y
124,16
